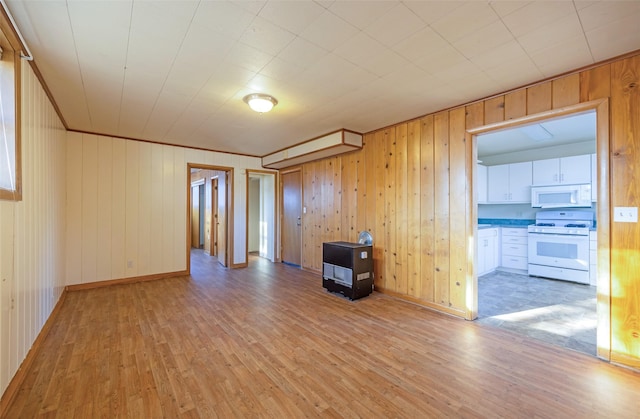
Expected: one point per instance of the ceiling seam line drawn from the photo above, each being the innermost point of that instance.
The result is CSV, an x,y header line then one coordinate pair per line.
x,y
173,62
126,62
75,48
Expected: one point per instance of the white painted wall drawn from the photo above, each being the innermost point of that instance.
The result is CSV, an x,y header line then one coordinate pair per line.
x,y
32,231
127,206
91,204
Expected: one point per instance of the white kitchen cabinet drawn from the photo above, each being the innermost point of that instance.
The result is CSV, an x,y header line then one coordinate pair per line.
x,y
498,183
481,183
510,183
593,258
514,245
488,250
520,178
594,178
564,170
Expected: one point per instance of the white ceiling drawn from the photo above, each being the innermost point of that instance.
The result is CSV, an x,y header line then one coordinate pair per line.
x,y
558,137
176,71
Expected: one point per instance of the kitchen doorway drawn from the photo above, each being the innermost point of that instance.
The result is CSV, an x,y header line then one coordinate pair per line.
x,y
508,297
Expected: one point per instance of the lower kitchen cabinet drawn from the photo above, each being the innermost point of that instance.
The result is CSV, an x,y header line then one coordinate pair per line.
x,y
593,258
514,244
488,250
594,178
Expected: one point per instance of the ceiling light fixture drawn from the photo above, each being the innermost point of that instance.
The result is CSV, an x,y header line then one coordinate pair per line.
x,y
260,102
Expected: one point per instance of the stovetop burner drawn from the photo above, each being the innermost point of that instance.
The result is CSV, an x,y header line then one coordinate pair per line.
x,y
574,223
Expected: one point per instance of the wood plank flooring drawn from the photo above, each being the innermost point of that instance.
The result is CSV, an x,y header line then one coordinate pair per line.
x,y
269,342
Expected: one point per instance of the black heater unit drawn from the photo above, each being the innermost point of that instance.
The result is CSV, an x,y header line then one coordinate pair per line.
x,y
347,268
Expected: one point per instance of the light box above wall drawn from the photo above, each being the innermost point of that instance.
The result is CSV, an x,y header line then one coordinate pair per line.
x,y
332,144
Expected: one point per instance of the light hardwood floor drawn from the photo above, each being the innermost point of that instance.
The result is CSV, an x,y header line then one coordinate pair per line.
x,y
268,341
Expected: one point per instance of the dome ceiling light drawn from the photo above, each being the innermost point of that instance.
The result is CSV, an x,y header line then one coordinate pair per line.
x,y
260,102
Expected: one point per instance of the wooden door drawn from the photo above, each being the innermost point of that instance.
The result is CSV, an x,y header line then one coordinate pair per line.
x,y
201,216
213,246
222,219
291,218
195,216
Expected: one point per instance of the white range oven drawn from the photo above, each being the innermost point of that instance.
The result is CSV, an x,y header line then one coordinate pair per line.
x,y
559,245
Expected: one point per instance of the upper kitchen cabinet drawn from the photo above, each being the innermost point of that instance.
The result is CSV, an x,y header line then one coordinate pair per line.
x,y
481,184
510,183
565,170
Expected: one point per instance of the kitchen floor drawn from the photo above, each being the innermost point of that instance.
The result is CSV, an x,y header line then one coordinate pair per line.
x,y
557,312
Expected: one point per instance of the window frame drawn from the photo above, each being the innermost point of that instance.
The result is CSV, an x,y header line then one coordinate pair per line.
x,y
11,45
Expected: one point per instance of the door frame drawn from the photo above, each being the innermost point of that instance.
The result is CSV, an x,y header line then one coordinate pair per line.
x,y
603,145
281,210
229,219
276,210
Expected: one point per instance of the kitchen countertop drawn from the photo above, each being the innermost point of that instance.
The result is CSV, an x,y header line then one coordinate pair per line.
x,y
503,222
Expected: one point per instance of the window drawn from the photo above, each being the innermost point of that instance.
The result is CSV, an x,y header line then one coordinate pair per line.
x,y
10,173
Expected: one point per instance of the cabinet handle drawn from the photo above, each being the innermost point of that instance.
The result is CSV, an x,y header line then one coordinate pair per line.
x,y
555,177
562,177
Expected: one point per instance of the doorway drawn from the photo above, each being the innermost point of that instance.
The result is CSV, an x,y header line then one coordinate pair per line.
x,y
261,214
292,217
198,210
546,317
210,212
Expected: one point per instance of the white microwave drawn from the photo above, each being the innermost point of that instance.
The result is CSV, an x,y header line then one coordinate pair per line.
x,y
561,196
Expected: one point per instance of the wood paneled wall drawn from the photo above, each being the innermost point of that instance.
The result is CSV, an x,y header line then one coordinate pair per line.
x,y
410,186
32,231
625,192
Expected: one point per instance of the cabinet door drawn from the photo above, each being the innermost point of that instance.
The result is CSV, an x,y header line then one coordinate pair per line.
x,y
494,244
483,249
594,178
481,184
520,178
575,169
546,172
498,183
488,256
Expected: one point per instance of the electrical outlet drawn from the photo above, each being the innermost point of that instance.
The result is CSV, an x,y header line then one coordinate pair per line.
x,y
625,214
129,264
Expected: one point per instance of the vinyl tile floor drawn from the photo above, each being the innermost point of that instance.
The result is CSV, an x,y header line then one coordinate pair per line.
x,y
557,312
